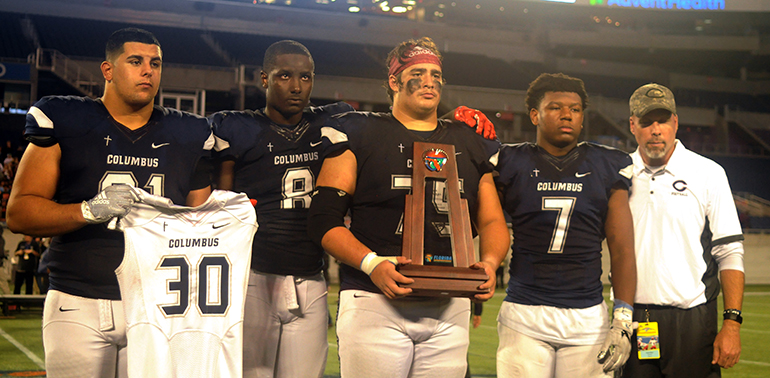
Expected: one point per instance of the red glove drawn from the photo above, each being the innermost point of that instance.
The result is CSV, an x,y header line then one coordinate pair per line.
x,y
477,119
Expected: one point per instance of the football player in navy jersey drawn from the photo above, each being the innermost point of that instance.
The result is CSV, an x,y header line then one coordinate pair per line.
x,y
273,155
367,168
564,197
82,148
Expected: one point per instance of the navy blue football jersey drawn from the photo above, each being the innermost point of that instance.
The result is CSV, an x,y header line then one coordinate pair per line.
x,y
383,148
277,165
96,151
558,207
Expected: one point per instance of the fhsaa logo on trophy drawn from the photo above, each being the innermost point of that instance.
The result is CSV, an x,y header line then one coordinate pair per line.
x,y
434,159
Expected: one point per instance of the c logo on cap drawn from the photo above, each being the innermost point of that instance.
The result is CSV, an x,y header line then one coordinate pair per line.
x,y
655,93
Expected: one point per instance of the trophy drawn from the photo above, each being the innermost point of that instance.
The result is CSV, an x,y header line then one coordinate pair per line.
x,y
438,161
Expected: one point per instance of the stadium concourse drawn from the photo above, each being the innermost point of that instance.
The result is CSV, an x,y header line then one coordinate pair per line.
x,y
715,61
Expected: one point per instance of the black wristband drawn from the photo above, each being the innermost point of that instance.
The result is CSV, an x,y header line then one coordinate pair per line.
x,y
733,314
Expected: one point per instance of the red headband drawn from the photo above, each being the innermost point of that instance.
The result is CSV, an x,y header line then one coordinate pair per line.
x,y
414,55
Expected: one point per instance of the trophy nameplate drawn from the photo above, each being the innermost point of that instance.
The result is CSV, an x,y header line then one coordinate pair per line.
x,y
432,160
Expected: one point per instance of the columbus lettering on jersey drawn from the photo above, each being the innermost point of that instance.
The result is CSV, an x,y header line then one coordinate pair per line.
x,y
559,186
295,158
132,160
193,243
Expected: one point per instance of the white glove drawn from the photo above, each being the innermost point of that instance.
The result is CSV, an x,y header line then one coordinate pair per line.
x,y
113,201
617,345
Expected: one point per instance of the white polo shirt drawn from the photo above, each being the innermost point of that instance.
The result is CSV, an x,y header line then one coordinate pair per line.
x,y
673,207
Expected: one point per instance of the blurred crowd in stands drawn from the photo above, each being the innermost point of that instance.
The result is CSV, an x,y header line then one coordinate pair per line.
x,y
11,154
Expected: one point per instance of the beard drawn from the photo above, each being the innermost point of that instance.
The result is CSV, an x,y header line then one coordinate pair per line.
x,y
655,152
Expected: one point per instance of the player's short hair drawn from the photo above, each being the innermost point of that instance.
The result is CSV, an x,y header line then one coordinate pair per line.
x,y
557,82
403,47
114,45
284,47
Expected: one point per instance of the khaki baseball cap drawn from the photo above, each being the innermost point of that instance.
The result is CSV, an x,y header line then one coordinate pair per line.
x,y
650,97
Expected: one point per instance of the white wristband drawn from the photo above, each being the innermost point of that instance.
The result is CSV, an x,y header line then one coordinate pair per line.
x,y
372,260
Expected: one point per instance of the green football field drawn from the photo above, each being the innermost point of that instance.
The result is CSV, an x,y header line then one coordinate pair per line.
x,y
21,350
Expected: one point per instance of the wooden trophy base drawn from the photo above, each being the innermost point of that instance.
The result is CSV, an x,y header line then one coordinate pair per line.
x,y
438,161
443,281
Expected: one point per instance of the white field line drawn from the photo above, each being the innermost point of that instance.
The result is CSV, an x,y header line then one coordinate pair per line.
x,y
23,349
754,362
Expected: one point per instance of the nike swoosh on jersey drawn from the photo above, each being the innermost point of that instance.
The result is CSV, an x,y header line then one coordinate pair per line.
x,y
62,309
159,145
216,226
579,175
359,295
315,144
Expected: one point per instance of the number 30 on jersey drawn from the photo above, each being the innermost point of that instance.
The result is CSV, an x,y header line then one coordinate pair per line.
x,y
211,288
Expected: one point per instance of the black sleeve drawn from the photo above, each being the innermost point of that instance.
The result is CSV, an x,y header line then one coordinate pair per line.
x,y
478,307
41,140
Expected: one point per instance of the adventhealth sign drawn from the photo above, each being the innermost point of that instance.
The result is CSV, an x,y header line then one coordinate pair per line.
x,y
665,4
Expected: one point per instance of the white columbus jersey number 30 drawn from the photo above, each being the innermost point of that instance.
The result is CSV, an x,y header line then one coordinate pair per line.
x,y
183,282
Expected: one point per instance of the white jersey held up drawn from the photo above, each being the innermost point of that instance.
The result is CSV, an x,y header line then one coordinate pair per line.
x,y
183,282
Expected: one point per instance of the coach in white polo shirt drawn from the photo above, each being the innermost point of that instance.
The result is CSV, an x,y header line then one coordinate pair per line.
x,y
687,238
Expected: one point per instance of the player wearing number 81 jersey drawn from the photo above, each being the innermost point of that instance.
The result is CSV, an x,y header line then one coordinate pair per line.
x,y
183,282
80,146
98,152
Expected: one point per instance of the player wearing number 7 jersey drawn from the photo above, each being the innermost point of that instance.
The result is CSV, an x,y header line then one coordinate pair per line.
x,y
79,147
563,199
